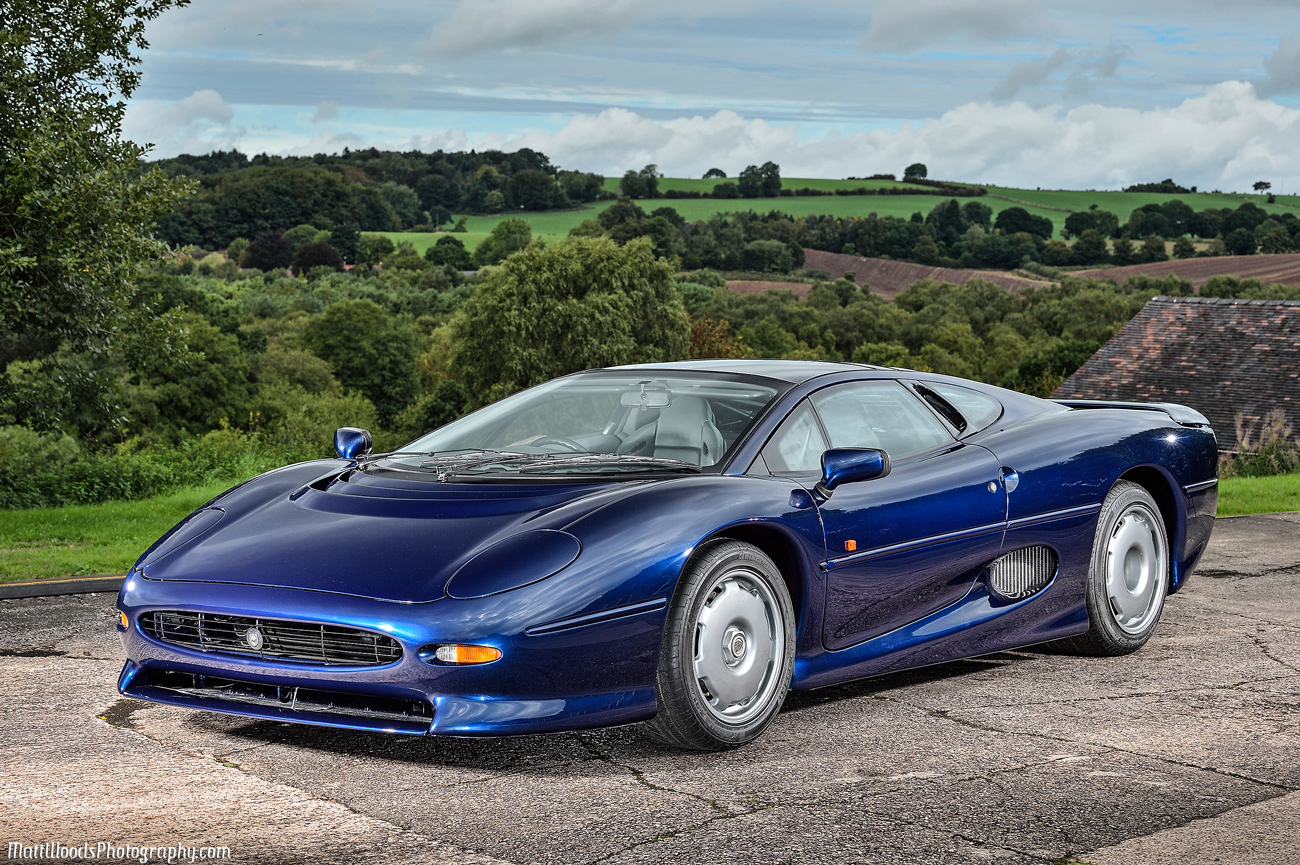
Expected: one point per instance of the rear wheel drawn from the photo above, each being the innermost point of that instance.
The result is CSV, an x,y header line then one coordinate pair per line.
x,y
1129,574
728,651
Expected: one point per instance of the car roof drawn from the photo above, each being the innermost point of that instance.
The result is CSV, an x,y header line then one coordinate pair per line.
x,y
792,371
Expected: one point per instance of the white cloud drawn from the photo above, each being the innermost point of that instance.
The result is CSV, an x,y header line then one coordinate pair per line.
x,y
486,25
1226,138
900,26
1283,67
196,124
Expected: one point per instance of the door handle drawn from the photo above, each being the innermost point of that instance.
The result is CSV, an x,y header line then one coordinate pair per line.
x,y
1010,479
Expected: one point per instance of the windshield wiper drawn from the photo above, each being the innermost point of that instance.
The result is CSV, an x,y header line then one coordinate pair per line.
x,y
560,463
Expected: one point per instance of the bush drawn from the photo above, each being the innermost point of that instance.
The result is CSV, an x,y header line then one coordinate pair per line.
x,y
1271,451
221,455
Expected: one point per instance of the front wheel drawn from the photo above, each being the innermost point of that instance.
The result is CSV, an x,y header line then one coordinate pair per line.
x,y
1129,574
728,651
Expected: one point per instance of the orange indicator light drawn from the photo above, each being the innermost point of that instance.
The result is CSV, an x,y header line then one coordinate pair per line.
x,y
458,654
850,546
121,620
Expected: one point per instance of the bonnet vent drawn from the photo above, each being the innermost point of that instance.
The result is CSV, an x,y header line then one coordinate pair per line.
x,y
1022,572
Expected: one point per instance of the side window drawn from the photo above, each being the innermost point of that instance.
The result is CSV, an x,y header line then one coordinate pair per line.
x,y
797,444
878,414
979,409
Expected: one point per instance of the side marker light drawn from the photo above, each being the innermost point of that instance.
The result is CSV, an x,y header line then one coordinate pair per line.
x,y
457,653
122,623
850,546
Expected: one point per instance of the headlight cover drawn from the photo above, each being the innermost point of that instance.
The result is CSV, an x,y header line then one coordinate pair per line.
x,y
515,562
198,523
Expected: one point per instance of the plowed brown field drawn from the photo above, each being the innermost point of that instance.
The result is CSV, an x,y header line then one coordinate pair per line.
x,y
1268,269
889,278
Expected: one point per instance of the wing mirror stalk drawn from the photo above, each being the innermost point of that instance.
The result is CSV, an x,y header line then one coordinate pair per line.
x,y
351,442
849,466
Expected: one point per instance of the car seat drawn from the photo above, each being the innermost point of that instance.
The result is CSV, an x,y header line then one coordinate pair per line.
x,y
686,431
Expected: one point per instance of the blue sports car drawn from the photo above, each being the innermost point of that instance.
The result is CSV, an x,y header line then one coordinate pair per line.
x,y
677,544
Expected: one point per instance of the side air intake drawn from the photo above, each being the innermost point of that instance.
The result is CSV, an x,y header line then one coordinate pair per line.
x,y
1023,572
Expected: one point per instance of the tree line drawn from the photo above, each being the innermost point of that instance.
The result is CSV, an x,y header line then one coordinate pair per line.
x,y
360,190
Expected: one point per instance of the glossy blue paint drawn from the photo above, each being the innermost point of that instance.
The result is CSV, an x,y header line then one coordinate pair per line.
x,y
351,442
516,561
571,579
851,466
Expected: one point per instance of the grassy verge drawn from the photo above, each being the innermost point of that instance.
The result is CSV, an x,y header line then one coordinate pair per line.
x,y
1259,495
49,543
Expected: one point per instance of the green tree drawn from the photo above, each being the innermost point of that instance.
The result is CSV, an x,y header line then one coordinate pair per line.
x,y
1184,248
1090,247
1014,220
976,213
374,248
916,171
584,302
369,351
450,252
299,235
1122,251
506,238
315,254
75,207
771,174
1153,249
925,251
750,182
404,201
1240,241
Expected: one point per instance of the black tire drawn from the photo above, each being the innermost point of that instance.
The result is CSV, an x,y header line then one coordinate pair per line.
x,y
1129,519
706,609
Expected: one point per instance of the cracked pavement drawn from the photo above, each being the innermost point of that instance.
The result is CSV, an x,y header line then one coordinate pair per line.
x,y
1185,752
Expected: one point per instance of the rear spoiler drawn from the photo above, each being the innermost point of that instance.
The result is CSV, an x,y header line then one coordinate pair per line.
x,y
1180,414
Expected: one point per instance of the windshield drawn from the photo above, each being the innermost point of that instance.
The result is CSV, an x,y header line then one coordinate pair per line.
x,y
595,423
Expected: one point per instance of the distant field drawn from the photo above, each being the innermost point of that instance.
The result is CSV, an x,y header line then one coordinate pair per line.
x,y
1122,204
696,184
1056,205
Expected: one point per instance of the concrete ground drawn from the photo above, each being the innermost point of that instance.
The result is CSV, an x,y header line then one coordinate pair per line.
x,y
1186,752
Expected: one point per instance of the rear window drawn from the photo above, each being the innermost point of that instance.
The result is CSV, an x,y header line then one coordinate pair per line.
x,y
980,410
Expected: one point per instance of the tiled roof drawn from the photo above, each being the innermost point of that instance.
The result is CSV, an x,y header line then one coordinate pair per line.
x,y
1220,356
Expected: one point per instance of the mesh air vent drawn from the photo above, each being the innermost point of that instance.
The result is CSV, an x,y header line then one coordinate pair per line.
x,y
1023,572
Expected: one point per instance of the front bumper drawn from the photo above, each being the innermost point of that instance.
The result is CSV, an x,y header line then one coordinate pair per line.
x,y
594,674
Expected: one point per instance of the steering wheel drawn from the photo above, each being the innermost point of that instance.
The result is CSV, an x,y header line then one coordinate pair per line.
x,y
567,444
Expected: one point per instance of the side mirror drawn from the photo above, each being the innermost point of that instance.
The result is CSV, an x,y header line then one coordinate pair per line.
x,y
850,465
351,442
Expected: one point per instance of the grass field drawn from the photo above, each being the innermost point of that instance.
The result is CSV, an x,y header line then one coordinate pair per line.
x,y
1122,204
49,543
1259,495
1054,204
555,225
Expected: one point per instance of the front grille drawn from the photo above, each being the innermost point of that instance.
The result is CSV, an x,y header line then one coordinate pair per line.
x,y
1023,572
272,639
287,698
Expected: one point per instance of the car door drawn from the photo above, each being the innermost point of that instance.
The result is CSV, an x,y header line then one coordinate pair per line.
x,y
912,542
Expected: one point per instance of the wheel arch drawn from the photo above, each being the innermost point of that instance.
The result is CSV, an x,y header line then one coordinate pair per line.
x,y
1163,489
784,552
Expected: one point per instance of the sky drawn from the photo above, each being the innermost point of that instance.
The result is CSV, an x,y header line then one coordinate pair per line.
x,y
1030,93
